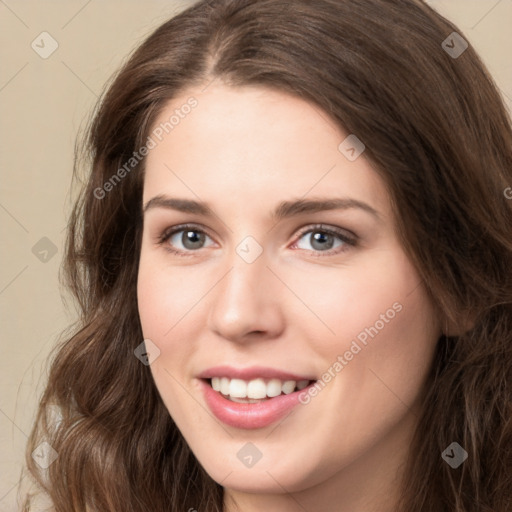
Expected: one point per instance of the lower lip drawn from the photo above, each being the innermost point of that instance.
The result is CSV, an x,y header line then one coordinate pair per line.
x,y
250,416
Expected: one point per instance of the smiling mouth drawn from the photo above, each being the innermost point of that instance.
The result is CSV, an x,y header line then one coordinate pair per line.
x,y
256,390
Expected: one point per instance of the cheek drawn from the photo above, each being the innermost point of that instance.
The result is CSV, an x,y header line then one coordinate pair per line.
x,y
170,300
166,296
386,334
377,296
380,333
154,295
164,302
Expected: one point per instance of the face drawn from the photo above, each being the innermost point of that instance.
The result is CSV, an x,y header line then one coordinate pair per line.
x,y
268,292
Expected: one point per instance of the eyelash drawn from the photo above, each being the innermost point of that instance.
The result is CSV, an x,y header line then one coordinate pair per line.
x,y
347,241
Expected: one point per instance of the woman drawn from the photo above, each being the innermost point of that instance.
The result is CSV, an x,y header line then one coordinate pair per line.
x,y
292,257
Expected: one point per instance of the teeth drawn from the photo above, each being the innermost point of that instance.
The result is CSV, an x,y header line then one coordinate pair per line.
x,y
274,388
302,384
238,388
255,389
224,386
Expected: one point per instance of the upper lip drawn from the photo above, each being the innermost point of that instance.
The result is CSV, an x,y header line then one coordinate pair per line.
x,y
251,373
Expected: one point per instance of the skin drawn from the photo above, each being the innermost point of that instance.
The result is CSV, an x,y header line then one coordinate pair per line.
x,y
295,308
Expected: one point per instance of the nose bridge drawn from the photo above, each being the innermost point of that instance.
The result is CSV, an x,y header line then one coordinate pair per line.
x,y
242,284
248,263
245,299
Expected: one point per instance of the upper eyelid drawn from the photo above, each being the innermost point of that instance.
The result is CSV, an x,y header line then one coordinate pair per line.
x,y
327,227
182,227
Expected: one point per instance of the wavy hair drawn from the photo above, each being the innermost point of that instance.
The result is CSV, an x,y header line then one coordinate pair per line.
x,y
435,129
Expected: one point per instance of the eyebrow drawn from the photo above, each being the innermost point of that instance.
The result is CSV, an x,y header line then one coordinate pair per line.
x,y
285,209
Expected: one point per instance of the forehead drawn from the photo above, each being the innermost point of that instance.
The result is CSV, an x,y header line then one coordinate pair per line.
x,y
254,142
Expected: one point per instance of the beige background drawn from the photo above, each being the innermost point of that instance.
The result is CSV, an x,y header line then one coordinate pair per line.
x,y
43,102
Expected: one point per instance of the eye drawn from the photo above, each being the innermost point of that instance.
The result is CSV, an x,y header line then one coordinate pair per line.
x,y
323,239
189,236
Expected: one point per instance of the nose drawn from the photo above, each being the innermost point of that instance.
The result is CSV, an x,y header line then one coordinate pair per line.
x,y
245,303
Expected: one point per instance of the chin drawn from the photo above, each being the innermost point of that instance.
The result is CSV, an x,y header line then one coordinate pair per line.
x,y
261,478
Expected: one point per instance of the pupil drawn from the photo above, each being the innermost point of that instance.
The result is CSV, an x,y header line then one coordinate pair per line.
x,y
318,237
193,238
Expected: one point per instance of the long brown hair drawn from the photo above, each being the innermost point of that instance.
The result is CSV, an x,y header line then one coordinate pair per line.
x,y
436,130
